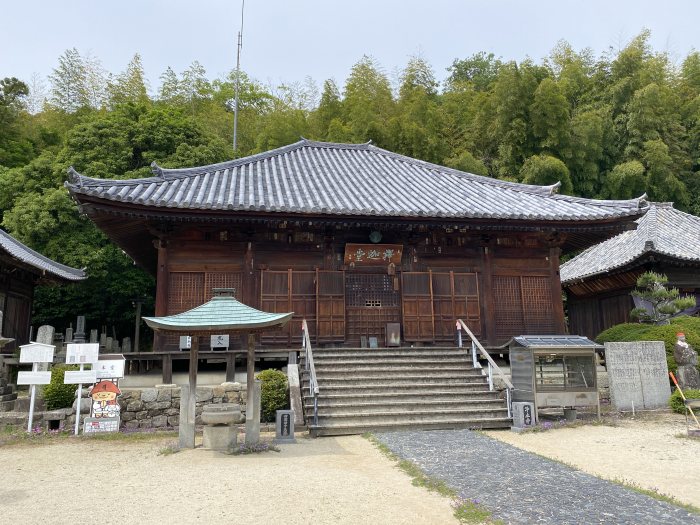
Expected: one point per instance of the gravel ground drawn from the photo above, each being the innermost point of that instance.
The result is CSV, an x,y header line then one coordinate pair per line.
x,y
521,487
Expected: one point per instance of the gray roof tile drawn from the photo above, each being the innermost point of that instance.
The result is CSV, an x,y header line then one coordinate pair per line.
x,y
348,179
22,253
662,230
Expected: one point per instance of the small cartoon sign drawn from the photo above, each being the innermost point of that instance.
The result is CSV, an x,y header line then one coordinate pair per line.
x,y
104,399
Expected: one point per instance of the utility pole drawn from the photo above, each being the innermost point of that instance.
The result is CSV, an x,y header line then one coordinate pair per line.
x,y
238,81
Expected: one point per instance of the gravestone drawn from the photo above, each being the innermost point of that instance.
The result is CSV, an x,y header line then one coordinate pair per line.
x,y
80,329
126,345
108,344
44,335
285,427
69,335
93,335
103,340
638,375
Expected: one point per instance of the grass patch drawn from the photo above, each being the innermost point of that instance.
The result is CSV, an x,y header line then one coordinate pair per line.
x,y
654,493
255,448
685,435
465,510
169,449
16,436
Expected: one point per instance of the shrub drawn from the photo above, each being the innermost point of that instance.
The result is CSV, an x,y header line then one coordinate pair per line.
x,y
57,394
274,393
676,401
628,332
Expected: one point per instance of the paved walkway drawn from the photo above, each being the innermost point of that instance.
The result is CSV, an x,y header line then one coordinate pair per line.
x,y
520,487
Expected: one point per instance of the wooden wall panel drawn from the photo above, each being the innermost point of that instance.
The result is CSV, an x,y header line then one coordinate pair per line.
x,y
417,305
330,306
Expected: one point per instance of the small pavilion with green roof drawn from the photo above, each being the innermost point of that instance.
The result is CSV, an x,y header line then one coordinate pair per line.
x,y
223,314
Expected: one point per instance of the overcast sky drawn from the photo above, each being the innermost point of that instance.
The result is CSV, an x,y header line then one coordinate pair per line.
x,y
285,40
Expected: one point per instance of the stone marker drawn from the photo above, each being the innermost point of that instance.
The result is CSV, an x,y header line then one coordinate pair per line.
x,y
285,427
69,335
80,329
103,340
126,345
44,335
93,335
638,375
108,344
252,415
187,408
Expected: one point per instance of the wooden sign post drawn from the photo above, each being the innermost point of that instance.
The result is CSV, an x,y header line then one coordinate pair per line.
x,y
34,353
83,353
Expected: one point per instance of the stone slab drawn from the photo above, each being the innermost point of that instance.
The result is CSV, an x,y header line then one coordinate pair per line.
x,y
285,427
638,375
221,438
187,418
252,415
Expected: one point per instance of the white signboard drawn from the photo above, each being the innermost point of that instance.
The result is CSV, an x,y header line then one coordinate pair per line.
x,y
219,341
74,377
36,353
82,353
109,368
33,378
185,342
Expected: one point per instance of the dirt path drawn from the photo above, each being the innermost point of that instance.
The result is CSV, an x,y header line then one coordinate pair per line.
x,y
329,480
649,451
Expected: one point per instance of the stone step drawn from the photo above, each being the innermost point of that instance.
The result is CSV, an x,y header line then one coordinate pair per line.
x,y
345,428
336,408
7,406
394,361
398,372
8,397
354,353
405,397
391,381
388,387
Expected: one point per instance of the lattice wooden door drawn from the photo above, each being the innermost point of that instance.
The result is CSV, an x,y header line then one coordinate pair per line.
x,y
455,296
371,302
289,291
330,306
523,305
417,303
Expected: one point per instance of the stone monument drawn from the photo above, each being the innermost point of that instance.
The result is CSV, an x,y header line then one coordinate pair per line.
x,y
687,361
79,336
638,375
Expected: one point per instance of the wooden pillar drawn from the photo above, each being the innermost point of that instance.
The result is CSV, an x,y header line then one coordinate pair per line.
x,y
194,362
328,253
555,284
248,292
162,280
250,377
488,315
230,366
167,369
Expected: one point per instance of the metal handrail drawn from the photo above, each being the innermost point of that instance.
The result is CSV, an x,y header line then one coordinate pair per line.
x,y
309,366
476,345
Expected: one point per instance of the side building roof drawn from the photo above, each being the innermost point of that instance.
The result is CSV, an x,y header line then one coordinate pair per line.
x,y
330,179
38,263
662,230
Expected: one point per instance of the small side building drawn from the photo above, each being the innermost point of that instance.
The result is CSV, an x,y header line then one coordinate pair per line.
x,y
598,282
21,269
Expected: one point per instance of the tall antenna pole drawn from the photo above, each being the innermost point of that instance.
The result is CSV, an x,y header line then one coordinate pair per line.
x,y
238,81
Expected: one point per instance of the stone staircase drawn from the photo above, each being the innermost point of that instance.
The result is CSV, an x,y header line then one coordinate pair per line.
x,y
7,396
381,389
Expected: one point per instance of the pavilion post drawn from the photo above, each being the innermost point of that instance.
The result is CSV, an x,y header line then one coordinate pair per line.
x,y
252,407
188,400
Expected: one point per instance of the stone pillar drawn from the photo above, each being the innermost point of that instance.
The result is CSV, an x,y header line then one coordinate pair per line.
x,y
252,414
187,408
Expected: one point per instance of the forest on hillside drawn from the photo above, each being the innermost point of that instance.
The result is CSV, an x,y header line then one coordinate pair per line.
x,y
612,126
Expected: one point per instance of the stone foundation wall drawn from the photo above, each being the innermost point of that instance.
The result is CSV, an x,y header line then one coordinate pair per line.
x,y
148,408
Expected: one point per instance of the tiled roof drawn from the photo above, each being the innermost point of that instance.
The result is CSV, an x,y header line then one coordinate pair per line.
x,y
347,179
553,341
219,314
22,253
662,230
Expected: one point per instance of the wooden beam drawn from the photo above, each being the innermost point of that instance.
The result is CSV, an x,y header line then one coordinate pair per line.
x,y
555,282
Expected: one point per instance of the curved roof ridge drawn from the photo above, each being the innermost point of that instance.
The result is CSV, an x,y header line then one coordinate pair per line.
x,y
662,230
25,254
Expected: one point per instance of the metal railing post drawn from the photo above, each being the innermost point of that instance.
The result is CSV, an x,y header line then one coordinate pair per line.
x,y
475,360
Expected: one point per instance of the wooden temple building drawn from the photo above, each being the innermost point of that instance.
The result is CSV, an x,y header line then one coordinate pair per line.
x,y
21,269
361,242
598,282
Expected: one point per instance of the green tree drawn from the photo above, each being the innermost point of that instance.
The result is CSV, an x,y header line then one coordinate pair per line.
x,y
78,82
129,86
549,115
15,149
663,301
479,71
545,170
626,181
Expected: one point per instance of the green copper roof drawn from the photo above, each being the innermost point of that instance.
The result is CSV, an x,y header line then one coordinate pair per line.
x,y
220,314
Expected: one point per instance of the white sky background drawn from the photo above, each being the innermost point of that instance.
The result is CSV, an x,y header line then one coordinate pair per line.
x,y
286,41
